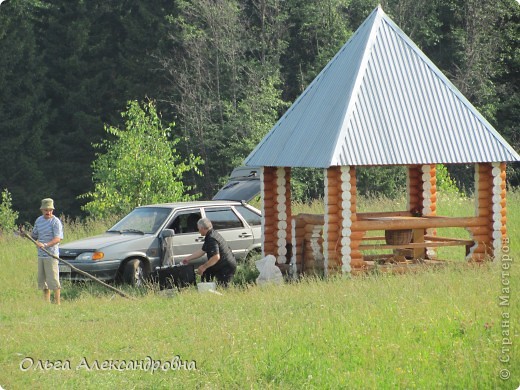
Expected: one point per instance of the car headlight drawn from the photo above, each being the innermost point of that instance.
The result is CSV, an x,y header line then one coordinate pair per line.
x,y
94,256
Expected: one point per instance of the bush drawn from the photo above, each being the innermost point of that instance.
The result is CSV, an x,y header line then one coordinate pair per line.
x,y
445,183
247,272
7,215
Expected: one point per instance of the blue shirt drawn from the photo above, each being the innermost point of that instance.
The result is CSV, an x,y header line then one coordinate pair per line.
x,y
44,231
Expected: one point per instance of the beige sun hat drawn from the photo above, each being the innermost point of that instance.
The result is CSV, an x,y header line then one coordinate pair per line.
x,y
47,203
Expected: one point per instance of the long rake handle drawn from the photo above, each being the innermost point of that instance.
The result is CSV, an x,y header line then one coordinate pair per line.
x,y
24,234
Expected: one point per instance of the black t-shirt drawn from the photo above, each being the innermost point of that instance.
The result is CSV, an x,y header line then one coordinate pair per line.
x,y
214,243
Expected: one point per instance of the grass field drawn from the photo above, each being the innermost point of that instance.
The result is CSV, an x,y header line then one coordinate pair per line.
x,y
430,330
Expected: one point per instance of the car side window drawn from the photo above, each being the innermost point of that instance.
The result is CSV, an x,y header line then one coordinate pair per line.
x,y
252,218
223,218
185,222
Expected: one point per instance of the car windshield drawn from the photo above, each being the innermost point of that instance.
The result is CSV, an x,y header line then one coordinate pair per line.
x,y
143,220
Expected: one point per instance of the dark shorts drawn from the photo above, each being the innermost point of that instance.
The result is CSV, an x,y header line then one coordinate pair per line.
x,y
223,277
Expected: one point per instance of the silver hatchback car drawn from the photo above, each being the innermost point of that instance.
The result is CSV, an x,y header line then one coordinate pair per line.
x,y
133,248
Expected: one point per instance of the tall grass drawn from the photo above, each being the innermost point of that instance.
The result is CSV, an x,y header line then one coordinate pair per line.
x,y
76,228
432,329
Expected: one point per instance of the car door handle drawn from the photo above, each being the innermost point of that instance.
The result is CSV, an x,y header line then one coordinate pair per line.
x,y
199,239
245,235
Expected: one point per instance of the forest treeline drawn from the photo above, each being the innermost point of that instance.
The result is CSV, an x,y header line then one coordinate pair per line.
x,y
223,70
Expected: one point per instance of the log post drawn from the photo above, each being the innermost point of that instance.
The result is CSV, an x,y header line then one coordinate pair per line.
x,y
499,218
333,208
276,202
484,185
282,213
288,208
414,195
429,203
339,247
269,203
350,242
307,244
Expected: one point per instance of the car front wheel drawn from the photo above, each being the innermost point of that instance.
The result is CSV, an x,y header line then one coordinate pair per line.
x,y
135,273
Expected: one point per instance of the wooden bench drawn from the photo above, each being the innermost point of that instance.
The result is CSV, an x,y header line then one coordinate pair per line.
x,y
420,240
429,242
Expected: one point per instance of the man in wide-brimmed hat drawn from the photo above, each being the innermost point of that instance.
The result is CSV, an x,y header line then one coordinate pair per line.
x,y
48,232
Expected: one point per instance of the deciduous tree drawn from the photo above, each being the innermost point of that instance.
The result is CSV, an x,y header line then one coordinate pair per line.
x,y
140,166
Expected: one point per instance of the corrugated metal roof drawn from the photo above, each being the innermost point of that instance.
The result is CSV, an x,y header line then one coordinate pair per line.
x,y
380,101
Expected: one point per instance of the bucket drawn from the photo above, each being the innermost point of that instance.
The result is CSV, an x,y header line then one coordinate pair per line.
x,y
398,237
207,286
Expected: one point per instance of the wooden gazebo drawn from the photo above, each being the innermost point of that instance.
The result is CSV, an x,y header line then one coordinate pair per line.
x,y
380,101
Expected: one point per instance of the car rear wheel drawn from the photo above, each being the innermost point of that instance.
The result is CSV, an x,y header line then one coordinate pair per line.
x,y
135,273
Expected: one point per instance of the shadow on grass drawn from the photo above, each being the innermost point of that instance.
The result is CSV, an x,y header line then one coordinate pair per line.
x,y
78,290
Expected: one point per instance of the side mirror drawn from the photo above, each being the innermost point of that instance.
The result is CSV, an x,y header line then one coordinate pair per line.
x,y
167,233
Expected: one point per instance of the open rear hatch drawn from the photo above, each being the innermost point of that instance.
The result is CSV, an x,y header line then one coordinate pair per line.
x,y
243,184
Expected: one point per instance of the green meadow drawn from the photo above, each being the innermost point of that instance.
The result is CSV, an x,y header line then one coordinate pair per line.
x,y
456,327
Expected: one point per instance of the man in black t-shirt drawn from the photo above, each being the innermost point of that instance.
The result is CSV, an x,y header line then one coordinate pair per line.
x,y
221,262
